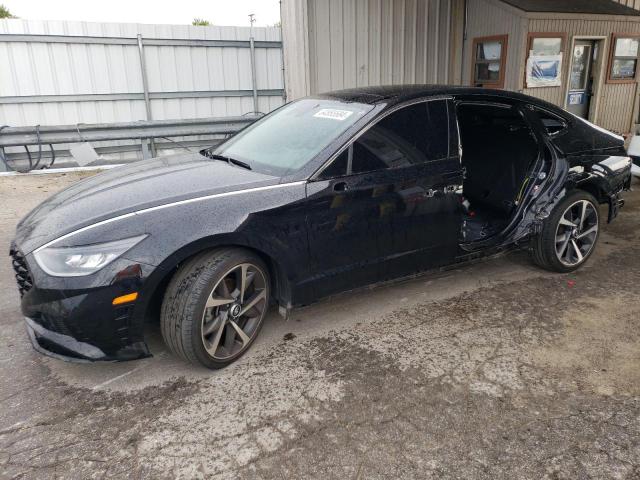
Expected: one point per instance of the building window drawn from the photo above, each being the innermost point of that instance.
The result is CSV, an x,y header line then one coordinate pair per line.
x,y
546,43
489,57
623,62
544,61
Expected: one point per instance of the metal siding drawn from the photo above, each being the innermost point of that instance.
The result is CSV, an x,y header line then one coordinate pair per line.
x,y
616,102
630,3
32,68
375,42
486,18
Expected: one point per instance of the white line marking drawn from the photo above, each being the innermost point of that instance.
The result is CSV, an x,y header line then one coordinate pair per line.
x,y
118,377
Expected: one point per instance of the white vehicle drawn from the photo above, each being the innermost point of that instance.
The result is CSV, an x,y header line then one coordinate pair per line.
x,y
634,153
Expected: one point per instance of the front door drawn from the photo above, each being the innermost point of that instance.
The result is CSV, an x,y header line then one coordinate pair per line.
x,y
581,77
421,216
387,206
343,229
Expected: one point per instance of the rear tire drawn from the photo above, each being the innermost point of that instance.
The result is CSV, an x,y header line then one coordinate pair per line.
x,y
569,235
214,307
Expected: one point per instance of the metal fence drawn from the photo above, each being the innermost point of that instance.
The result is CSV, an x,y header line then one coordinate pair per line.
x,y
76,73
39,146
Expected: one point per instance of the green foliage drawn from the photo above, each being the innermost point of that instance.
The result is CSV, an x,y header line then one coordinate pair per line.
x,y
5,13
201,22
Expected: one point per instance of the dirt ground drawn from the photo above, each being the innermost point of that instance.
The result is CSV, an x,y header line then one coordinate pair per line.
x,y
495,371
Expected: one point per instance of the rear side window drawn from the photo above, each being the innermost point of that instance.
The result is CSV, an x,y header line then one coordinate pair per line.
x,y
415,134
552,124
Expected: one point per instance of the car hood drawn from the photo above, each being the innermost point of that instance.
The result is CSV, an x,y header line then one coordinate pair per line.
x,y
122,190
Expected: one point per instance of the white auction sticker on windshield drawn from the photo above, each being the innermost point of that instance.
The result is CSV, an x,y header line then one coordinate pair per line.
x,y
339,115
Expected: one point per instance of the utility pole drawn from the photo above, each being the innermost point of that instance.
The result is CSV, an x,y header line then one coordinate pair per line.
x,y
254,83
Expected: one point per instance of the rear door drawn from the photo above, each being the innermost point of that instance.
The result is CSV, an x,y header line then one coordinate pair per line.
x,y
546,177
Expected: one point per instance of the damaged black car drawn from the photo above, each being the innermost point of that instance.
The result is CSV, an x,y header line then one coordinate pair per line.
x,y
323,195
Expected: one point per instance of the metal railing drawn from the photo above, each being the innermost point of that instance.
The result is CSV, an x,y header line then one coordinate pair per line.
x,y
37,143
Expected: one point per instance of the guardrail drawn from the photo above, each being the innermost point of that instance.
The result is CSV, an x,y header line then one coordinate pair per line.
x,y
38,142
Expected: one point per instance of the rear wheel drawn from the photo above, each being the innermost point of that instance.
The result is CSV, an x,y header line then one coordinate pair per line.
x,y
214,307
569,235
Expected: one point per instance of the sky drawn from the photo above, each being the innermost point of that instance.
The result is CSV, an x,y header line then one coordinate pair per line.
x,y
218,12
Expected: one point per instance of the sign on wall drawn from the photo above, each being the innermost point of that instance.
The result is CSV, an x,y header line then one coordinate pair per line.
x,y
576,98
544,71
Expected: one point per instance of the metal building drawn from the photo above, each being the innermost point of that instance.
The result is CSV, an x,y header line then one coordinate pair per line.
x,y
521,45
589,50
342,43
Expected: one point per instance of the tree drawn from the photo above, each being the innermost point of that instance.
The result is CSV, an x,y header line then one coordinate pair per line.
x,y
201,22
5,13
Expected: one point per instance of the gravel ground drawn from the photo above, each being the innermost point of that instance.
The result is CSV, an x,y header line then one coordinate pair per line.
x,y
497,370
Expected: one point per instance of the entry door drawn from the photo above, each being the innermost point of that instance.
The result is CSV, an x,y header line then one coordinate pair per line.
x,y
581,78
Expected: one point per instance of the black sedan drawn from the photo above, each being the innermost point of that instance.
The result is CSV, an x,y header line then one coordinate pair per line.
x,y
323,195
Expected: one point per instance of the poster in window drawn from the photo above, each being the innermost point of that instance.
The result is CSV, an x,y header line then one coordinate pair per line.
x,y
544,71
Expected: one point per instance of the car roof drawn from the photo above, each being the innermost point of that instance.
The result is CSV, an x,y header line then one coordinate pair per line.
x,y
393,94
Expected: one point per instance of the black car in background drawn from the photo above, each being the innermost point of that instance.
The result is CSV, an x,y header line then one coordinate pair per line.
x,y
323,195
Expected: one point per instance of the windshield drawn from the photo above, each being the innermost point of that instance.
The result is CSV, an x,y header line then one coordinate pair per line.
x,y
286,140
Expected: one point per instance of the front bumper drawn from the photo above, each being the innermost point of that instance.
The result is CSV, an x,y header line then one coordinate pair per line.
x,y
62,347
73,319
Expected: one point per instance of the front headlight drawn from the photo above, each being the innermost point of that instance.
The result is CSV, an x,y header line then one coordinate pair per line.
x,y
83,259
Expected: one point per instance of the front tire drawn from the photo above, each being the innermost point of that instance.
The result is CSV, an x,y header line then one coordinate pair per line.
x,y
214,307
569,235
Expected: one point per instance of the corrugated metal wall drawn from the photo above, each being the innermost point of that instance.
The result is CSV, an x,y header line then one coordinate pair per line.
x,y
185,81
630,3
374,42
486,18
616,101
295,43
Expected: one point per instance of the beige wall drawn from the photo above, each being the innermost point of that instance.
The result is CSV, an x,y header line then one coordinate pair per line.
x,y
615,107
630,3
295,45
488,18
353,43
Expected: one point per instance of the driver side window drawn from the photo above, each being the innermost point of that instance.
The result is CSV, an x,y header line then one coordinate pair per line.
x,y
413,135
337,168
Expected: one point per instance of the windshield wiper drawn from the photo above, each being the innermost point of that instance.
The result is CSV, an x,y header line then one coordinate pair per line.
x,y
229,160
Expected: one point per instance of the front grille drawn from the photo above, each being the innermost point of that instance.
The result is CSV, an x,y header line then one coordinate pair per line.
x,y
21,269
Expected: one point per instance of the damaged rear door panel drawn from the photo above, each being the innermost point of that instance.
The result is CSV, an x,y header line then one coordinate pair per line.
x,y
598,162
573,154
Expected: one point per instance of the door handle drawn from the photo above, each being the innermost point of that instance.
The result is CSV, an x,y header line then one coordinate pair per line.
x,y
340,187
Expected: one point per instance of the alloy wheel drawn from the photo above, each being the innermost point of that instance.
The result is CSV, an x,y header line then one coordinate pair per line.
x,y
234,311
576,233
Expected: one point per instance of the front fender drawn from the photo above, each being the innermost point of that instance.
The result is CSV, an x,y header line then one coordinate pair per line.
x,y
271,220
